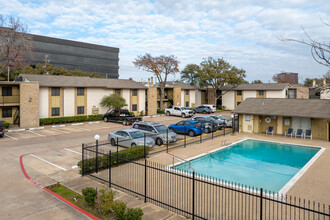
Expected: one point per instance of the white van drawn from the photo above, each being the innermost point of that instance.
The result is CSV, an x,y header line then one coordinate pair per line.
x,y
212,107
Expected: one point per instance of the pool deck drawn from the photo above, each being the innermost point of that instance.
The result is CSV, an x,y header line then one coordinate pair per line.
x,y
313,185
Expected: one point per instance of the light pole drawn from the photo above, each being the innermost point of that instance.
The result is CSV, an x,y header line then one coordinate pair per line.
x,y
97,137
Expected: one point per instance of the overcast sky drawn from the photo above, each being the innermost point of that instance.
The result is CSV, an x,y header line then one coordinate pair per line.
x,y
243,32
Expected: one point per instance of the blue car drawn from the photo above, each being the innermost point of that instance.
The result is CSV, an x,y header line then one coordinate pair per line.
x,y
190,127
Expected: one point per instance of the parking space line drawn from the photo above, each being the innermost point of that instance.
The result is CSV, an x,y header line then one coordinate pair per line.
x,y
73,151
101,126
36,133
11,137
46,161
85,129
65,132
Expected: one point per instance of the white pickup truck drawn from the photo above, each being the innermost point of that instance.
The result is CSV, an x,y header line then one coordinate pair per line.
x,y
179,111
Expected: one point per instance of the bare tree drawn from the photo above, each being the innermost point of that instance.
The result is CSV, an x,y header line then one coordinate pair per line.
x,y
15,43
162,66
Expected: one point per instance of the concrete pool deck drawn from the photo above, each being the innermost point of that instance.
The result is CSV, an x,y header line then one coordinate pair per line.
x,y
313,185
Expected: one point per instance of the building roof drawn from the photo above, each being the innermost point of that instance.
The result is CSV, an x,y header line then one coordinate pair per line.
x,y
82,81
310,108
178,84
262,86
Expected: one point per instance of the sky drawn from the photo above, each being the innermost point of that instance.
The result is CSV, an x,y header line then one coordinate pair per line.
x,y
243,32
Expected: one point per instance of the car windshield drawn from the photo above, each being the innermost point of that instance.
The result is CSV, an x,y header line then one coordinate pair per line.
x,y
136,134
213,116
183,108
222,117
161,128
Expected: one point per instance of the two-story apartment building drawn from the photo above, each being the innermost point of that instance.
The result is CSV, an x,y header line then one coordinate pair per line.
x,y
62,96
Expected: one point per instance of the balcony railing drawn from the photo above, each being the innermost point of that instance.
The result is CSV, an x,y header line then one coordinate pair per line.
x,y
9,100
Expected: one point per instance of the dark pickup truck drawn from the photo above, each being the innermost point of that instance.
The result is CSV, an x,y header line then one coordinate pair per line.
x,y
121,115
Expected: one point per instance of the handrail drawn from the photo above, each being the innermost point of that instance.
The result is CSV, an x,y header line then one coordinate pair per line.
x,y
184,161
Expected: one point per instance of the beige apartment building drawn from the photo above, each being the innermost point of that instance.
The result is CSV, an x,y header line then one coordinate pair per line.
x,y
62,96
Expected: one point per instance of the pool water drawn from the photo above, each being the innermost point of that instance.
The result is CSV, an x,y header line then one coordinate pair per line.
x,y
269,165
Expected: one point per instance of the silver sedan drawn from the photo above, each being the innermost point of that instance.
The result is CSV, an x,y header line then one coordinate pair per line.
x,y
129,138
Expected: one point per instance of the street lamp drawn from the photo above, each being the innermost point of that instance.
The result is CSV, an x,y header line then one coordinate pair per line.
x,y
97,137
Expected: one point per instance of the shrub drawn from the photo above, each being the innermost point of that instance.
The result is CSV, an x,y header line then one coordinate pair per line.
x,y
70,119
6,124
132,113
132,153
105,200
90,195
160,111
141,113
119,209
134,214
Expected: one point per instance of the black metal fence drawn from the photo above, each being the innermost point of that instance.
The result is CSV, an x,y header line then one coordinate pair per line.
x,y
203,197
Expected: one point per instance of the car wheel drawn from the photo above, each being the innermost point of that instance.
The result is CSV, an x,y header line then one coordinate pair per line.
x,y
191,133
125,122
183,115
168,113
204,112
113,142
133,145
159,141
105,119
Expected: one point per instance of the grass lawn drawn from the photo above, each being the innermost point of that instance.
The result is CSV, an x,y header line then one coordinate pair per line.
x,y
219,110
75,198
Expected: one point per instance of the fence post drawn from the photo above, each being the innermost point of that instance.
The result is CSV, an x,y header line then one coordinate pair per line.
x,y
97,155
144,145
193,196
167,140
185,134
109,169
117,152
224,130
261,203
233,124
212,129
200,137
145,180
82,160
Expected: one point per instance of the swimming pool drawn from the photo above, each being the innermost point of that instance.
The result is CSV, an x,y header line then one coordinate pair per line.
x,y
261,164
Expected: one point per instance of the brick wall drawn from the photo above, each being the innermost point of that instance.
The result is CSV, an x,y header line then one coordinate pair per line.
x,y
177,96
152,100
302,93
29,104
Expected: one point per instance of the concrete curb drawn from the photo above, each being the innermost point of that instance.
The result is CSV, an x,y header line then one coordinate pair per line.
x,y
38,128
93,122
75,124
23,129
58,126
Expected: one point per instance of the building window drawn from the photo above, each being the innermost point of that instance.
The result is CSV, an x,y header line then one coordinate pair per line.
x,y
134,107
187,104
7,112
55,111
80,110
239,92
117,91
261,92
247,118
238,103
80,91
187,92
134,92
7,91
55,91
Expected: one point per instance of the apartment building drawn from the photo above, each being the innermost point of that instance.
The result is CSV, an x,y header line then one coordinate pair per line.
x,y
62,96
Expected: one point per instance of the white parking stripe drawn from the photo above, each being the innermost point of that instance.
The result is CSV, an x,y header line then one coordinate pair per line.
x,y
48,162
73,151
11,137
100,126
65,132
36,133
85,129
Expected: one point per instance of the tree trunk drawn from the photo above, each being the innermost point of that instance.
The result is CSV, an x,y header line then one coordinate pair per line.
x,y
161,97
215,97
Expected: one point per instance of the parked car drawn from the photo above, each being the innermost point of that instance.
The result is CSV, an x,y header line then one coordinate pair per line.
x,y
189,127
202,109
129,138
229,123
212,107
208,124
2,129
179,111
218,123
156,131
120,115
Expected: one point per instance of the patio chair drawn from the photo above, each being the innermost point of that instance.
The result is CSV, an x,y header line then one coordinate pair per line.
x,y
308,133
300,133
270,130
289,132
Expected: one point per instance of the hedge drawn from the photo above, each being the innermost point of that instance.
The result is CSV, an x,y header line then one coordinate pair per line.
x,y
71,119
129,154
6,124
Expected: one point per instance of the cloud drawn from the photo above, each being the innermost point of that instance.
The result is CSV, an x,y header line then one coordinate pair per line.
x,y
243,32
